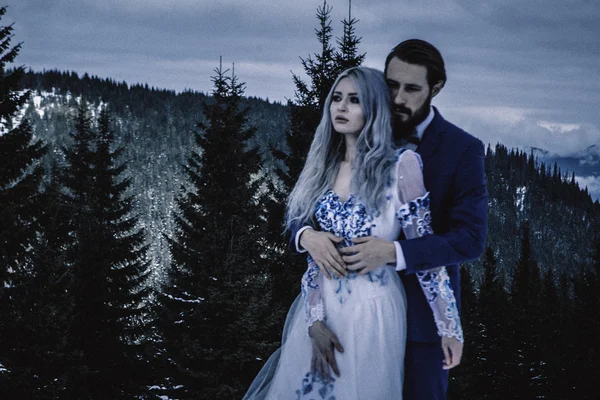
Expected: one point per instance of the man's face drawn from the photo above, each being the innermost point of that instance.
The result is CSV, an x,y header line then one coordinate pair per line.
x,y
409,92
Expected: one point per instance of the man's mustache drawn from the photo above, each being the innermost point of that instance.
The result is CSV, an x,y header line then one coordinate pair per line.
x,y
402,109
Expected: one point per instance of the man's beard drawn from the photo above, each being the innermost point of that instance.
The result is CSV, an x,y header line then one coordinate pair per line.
x,y
405,128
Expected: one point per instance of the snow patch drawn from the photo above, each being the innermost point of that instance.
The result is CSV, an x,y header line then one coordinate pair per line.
x,y
37,103
520,201
558,127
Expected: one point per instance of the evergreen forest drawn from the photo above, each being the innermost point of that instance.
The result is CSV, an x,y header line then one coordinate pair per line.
x,y
142,253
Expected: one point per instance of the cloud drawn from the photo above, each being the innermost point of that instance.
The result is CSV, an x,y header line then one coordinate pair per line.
x,y
524,73
558,127
521,127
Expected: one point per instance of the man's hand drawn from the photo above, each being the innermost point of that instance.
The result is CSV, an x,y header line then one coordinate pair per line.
x,y
321,247
367,253
452,352
324,343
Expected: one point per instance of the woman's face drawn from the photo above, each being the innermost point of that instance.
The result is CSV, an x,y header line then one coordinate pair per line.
x,y
346,113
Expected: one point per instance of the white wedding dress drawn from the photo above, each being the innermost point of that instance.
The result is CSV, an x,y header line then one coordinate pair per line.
x,y
366,312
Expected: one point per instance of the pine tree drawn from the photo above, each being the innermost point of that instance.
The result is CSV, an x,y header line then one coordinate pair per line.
x,y
347,55
461,378
20,172
306,109
495,347
107,260
216,303
43,353
526,303
586,379
551,327
20,179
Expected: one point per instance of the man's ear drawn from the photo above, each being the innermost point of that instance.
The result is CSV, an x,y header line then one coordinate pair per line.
x,y
437,88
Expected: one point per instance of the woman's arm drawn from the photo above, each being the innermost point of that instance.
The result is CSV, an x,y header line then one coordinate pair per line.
x,y
311,293
415,219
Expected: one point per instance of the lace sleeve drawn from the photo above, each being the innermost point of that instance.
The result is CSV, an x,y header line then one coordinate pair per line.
x,y
311,293
415,218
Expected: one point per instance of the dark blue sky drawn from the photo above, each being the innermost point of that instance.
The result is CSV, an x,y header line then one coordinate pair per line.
x,y
521,72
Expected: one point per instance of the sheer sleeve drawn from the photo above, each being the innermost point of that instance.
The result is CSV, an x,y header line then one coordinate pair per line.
x,y
311,293
415,219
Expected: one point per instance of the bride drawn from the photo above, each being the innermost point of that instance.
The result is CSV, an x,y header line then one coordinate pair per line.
x,y
355,184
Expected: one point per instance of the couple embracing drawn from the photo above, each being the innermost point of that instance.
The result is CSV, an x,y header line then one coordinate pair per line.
x,y
391,199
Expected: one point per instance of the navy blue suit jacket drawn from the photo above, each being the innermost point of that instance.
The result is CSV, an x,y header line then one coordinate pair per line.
x,y
453,171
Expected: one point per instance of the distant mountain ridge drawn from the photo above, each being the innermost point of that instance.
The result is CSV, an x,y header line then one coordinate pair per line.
x,y
155,128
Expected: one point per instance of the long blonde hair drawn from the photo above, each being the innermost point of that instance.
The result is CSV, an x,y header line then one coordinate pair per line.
x,y
371,169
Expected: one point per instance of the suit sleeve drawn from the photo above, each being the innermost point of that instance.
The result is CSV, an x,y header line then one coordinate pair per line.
x,y
467,219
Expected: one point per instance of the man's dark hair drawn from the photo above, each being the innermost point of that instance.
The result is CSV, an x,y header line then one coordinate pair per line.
x,y
420,52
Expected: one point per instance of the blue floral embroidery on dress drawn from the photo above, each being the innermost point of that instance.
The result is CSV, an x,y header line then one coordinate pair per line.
x,y
309,383
308,279
409,214
381,277
455,328
428,282
314,308
343,286
349,219
435,282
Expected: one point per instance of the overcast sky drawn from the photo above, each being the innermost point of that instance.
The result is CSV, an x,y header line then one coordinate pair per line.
x,y
522,72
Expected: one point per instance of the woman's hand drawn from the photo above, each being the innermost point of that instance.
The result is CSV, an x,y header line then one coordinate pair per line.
x,y
453,349
324,342
321,247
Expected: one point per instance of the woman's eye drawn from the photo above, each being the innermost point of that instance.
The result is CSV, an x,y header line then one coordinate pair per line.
x,y
336,98
354,100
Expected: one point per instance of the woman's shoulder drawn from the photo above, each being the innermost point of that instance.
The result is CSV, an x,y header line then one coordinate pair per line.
x,y
407,155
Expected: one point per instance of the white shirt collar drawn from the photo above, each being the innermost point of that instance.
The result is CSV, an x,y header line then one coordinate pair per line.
x,y
423,125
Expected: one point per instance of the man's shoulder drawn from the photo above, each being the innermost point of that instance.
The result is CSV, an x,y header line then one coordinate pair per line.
x,y
456,134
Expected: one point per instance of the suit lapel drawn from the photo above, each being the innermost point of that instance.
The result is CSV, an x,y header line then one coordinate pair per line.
x,y
432,137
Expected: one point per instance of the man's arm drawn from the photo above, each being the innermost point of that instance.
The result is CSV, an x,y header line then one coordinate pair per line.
x,y
464,241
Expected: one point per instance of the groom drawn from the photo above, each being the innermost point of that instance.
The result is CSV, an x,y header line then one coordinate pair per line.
x,y
453,171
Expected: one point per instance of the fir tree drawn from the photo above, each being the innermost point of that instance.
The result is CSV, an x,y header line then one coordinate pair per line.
x,y
306,109
461,378
216,312
43,353
347,55
20,179
526,303
107,260
493,364
20,172
586,379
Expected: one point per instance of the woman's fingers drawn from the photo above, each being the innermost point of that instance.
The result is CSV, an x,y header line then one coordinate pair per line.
x,y
340,269
330,358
